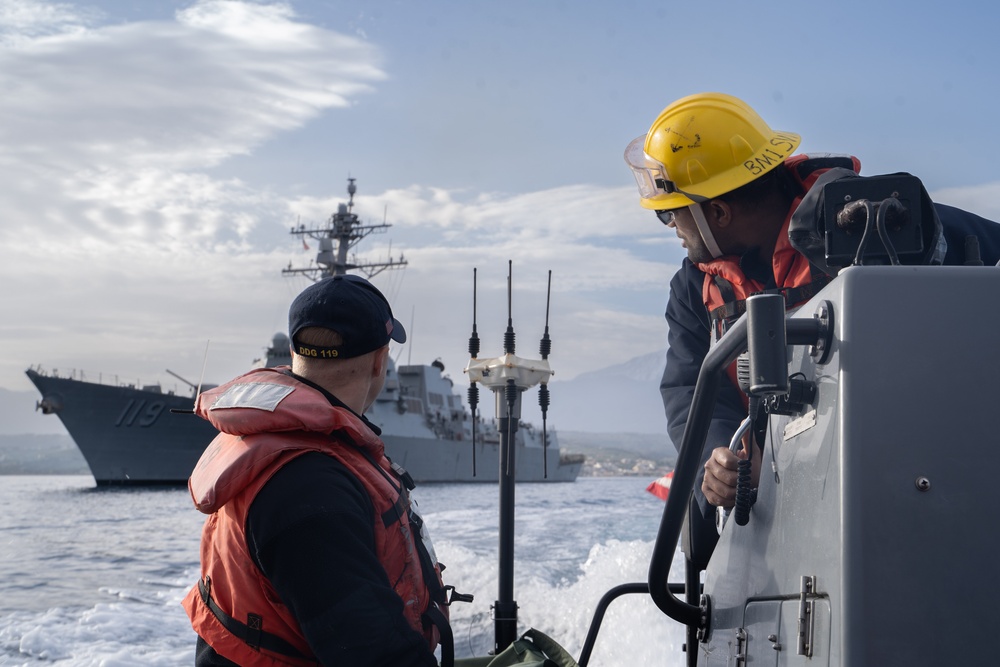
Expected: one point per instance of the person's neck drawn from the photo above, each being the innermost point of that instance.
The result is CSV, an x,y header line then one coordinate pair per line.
x,y
335,400
769,221
352,395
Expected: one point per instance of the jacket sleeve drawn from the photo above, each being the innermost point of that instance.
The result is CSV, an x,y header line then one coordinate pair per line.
x,y
688,340
958,224
311,531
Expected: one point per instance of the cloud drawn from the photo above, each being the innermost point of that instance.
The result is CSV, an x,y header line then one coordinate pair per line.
x,y
21,20
610,263
117,235
125,252
126,306
120,125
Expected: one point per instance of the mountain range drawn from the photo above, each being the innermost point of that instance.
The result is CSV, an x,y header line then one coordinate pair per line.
x,y
624,398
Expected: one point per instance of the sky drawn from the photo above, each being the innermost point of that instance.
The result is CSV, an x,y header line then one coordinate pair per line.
x,y
154,156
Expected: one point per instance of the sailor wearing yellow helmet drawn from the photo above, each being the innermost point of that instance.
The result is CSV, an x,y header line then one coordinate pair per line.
x,y
728,184
698,150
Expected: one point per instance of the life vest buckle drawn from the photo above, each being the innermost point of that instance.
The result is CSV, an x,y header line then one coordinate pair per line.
x,y
451,595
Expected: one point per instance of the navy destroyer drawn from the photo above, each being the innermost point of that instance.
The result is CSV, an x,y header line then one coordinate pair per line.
x,y
143,434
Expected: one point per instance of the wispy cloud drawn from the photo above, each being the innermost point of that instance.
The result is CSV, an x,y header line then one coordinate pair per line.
x,y
125,250
118,127
127,241
23,20
111,213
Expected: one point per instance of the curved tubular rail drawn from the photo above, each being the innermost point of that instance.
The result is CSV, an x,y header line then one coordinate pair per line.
x,y
730,346
723,353
602,607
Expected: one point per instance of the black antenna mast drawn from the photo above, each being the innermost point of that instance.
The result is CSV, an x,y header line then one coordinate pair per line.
x,y
508,377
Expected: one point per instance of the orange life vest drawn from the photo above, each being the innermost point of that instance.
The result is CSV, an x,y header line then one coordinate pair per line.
x,y
726,288
234,607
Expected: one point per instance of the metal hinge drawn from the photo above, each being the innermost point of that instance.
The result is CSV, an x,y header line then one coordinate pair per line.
x,y
741,647
807,617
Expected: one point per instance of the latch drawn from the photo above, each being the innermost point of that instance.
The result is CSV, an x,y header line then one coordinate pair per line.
x,y
741,647
807,617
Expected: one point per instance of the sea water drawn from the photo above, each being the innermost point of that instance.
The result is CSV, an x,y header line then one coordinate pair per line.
x,y
95,576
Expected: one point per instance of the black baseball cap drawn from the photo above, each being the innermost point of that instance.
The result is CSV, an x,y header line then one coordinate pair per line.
x,y
349,305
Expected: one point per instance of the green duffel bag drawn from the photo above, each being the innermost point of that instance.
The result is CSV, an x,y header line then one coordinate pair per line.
x,y
533,649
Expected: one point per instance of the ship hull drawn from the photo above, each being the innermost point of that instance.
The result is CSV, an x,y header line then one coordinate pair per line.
x,y
450,461
127,435
131,436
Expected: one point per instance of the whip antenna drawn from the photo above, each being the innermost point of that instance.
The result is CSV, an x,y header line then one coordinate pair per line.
x,y
197,390
511,392
201,379
508,336
473,387
544,348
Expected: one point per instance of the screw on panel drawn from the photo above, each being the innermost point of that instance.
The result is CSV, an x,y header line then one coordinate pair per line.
x,y
820,350
923,484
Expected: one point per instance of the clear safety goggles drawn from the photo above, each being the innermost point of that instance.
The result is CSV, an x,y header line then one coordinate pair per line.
x,y
650,175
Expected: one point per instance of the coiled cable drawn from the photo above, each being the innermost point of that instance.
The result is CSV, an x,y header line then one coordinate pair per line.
x,y
744,492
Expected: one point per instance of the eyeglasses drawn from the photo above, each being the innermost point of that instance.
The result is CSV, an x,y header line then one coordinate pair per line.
x,y
666,217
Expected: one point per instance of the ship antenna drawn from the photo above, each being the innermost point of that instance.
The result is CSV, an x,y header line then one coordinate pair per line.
x,y
201,378
508,337
511,376
473,387
197,388
544,348
337,238
511,391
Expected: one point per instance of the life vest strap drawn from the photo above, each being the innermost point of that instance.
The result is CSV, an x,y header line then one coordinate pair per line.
x,y
434,616
733,308
252,632
396,512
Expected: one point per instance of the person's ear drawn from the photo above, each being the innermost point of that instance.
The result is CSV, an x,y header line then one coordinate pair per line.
x,y
719,213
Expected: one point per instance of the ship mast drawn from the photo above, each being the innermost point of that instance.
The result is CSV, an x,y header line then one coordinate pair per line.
x,y
342,232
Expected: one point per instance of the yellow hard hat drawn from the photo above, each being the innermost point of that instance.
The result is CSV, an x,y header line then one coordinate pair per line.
x,y
703,146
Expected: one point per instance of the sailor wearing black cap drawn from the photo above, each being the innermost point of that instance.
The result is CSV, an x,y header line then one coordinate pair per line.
x,y
311,551
348,307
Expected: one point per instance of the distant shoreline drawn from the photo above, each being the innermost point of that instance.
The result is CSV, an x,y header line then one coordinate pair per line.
x,y
608,455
